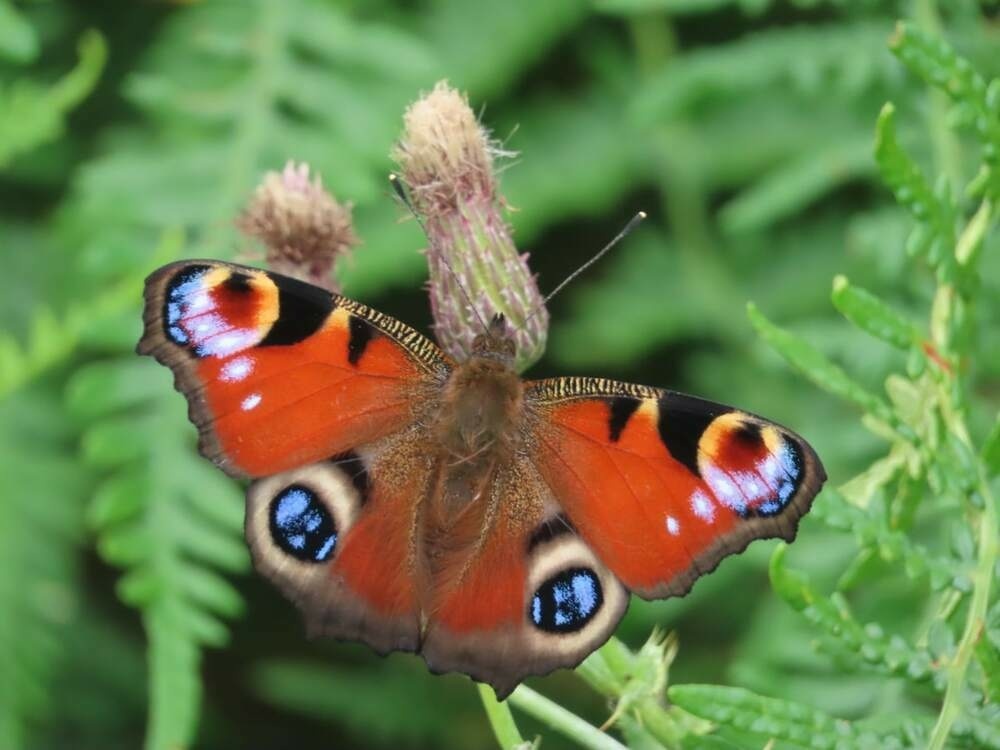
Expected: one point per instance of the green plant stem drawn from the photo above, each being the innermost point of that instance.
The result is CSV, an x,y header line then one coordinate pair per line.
x,y
947,149
500,718
562,721
989,531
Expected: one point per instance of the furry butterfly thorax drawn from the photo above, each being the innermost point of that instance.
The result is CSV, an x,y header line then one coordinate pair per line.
x,y
496,526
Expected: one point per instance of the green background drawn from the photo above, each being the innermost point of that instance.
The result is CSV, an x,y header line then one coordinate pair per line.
x,y
132,134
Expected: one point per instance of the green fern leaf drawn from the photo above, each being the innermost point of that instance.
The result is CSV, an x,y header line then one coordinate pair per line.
x,y
170,521
32,114
41,505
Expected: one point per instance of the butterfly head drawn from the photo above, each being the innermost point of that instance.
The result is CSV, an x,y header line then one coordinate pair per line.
x,y
497,343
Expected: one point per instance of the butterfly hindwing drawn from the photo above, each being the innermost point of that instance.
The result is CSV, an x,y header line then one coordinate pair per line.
x,y
338,538
279,373
662,486
531,597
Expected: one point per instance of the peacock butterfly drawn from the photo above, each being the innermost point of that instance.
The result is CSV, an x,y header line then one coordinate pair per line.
x,y
496,526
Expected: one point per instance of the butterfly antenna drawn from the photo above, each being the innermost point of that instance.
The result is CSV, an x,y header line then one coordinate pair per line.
x,y
400,189
633,223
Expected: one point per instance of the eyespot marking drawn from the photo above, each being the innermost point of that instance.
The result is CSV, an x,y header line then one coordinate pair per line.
x,y
177,298
567,601
749,434
301,526
759,472
781,470
238,283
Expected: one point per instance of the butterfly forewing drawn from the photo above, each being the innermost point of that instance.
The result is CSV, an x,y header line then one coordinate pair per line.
x,y
279,373
661,485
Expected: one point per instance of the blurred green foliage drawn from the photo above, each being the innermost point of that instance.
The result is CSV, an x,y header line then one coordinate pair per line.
x,y
130,134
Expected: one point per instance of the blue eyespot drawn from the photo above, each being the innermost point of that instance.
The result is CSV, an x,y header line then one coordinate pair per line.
x,y
301,526
178,290
567,601
786,476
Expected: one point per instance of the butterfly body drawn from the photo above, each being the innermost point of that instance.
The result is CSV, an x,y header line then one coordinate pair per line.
x,y
494,525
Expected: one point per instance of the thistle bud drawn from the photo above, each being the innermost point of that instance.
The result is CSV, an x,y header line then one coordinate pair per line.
x,y
475,270
303,228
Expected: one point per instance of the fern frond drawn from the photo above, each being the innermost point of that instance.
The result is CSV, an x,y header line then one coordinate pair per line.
x,y
52,340
787,721
815,61
935,232
32,114
235,91
18,39
169,521
41,504
977,102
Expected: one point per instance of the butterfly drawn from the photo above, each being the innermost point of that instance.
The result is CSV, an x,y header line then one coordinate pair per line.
x,y
495,526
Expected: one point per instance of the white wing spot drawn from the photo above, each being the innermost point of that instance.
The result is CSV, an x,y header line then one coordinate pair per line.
x,y
673,525
250,402
702,507
236,370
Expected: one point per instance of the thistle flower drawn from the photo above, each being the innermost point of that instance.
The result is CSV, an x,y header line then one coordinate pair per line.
x,y
303,228
447,161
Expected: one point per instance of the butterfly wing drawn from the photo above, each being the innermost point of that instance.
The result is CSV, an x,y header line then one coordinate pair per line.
x,y
338,538
662,486
279,373
530,598
619,488
322,400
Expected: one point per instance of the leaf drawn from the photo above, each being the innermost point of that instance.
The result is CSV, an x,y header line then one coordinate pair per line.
x,y
871,314
18,40
31,115
791,188
936,62
39,580
771,718
865,643
172,532
812,59
483,47
816,367
912,190
52,341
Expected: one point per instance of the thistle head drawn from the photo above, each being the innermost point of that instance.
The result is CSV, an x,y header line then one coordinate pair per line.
x,y
303,228
476,273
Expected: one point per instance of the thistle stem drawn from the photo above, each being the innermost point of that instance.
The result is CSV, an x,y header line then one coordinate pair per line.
x,y
565,722
501,719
